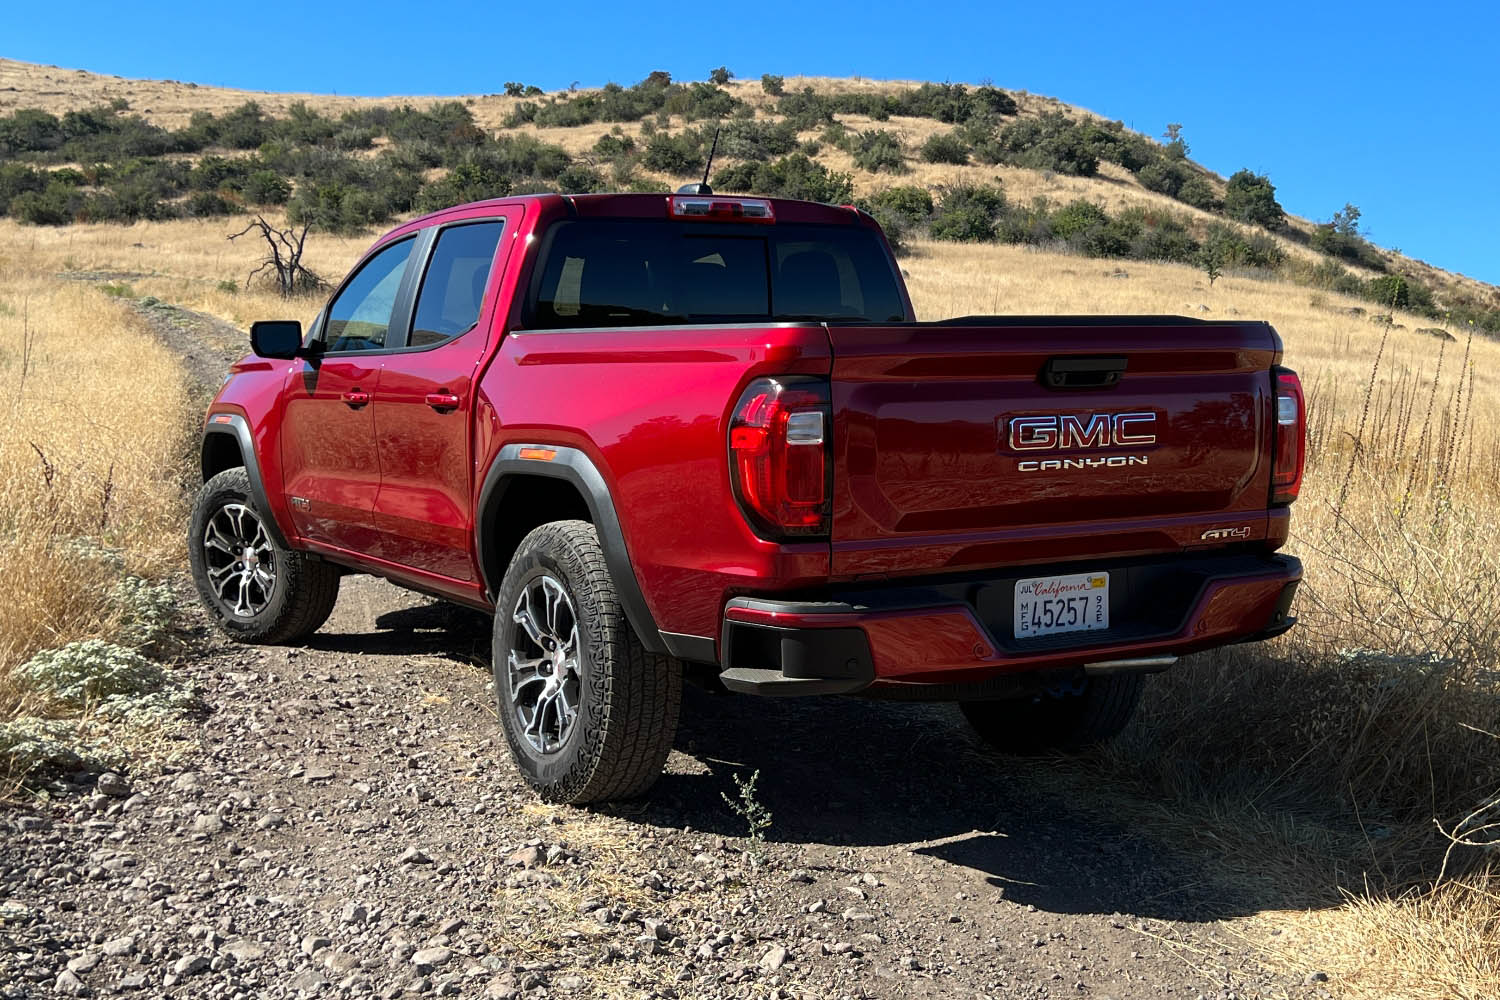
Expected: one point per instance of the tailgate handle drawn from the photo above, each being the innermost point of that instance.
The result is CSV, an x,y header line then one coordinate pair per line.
x,y
1082,373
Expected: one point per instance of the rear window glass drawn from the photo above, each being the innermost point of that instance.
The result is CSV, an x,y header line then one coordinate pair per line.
x,y
634,273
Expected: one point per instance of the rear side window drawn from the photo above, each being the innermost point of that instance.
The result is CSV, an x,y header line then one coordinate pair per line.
x,y
638,273
452,293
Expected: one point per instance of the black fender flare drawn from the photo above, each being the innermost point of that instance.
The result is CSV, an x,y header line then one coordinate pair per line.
x,y
239,428
575,467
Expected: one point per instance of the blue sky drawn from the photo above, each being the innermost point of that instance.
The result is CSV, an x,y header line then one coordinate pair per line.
x,y
1390,106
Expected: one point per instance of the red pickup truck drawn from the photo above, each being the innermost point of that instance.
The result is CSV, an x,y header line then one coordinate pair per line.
x,y
668,437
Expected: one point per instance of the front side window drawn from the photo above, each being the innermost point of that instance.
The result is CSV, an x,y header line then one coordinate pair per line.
x,y
646,273
452,293
359,319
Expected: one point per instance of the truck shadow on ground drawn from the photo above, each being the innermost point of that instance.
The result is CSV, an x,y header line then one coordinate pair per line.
x,y
860,773
850,772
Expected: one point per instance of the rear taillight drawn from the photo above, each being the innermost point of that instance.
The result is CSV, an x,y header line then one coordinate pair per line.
x,y
779,439
1291,437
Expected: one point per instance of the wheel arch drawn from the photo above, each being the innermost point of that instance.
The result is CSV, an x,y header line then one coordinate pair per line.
x,y
520,494
226,439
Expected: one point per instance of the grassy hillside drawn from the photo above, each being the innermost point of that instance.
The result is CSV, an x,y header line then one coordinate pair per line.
x,y
1336,760
965,164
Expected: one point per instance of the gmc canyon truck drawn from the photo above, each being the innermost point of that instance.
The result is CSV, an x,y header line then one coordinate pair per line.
x,y
668,437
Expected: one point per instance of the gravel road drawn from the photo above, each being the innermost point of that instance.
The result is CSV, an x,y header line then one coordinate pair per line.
x,y
350,826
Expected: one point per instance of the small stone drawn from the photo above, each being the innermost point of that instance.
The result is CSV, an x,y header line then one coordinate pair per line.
x,y
569,983
270,821
317,774
134,981
190,965
340,962
308,981
450,927
431,958
414,856
28,823
208,823
314,943
817,906
659,929
526,857
120,946
353,913
113,785
1313,978
774,959
83,963
244,950
69,985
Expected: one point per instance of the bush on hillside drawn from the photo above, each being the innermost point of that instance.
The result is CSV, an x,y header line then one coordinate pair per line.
x,y
793,176
772,84
946,148
1251,198
967,213
878,151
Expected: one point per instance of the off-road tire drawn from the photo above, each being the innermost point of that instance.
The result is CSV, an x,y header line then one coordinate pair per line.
x,y
305,589
630,697
1066,722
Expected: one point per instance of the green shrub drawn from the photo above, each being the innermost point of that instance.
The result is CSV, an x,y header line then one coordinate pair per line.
x,y
1199,193
208,204
55,205
1050,142
967,213
772,84
265,187
793,176
679,154
756,140
1163,177
228,287
17,179
720,76
29,131
89,674
948,148
146,612
611,146
1078,217
1251,198
899,211
1396,291
805,109
878,150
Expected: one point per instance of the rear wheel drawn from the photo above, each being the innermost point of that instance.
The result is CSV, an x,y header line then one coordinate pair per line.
x,y
1070,720
256,590
588,712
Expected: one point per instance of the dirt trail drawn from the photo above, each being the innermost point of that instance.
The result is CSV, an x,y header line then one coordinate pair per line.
x,y
353,827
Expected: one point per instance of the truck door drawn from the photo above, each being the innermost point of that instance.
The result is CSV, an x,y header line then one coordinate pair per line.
x,y
424,412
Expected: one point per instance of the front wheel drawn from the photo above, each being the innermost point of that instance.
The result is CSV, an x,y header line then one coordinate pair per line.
x,y
256,590
1058,721
588,712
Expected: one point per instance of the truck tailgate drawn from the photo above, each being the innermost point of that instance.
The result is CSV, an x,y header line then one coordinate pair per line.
x,y
980,443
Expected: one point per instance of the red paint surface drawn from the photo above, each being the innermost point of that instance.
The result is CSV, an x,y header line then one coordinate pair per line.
x,y
923,480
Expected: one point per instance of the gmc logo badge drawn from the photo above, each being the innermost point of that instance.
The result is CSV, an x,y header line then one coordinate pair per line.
x,y
1067,431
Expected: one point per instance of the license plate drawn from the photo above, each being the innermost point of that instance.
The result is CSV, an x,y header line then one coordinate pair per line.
x,y
1047,605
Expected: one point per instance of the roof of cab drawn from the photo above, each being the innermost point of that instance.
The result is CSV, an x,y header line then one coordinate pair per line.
x,y
645,206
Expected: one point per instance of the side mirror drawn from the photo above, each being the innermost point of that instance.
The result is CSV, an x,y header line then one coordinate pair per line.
x,y
276,338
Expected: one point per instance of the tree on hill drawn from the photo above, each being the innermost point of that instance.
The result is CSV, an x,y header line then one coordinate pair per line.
x,y
1251,198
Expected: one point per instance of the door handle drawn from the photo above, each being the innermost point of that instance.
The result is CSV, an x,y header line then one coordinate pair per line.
x,y
356,398
442,401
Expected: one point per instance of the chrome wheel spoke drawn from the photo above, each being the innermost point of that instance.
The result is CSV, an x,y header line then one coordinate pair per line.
x,y
239,560
543,673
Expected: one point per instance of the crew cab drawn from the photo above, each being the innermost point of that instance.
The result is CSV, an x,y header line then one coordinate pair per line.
x,y
691,436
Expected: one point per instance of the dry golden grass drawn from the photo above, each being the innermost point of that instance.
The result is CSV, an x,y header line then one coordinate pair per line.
x,y
90,448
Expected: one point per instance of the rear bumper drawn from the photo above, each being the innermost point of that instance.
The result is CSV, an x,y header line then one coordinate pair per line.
x,y
953,638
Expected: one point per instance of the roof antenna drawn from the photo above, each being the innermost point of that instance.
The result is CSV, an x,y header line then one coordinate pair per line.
x,y
703,187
